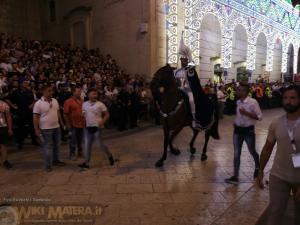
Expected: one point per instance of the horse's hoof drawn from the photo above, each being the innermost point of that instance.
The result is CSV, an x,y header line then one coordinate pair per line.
x,y
159,163
203,158
192,150
175,151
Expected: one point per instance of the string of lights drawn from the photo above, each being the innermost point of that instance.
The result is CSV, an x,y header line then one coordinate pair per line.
x,y
274,18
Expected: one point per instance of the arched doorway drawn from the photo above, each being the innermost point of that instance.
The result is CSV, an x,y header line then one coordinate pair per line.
x,y
210,49
288,77
277,61
260,62
238,71
79,24
79,34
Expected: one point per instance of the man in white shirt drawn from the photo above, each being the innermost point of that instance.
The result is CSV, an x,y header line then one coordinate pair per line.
x,y
285,173
46,120
247,113
96,115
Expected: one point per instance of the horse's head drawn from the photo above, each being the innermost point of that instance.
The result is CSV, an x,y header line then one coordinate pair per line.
x,y
162,79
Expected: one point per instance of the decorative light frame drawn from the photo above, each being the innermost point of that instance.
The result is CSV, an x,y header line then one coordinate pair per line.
x,y
172,30
229,16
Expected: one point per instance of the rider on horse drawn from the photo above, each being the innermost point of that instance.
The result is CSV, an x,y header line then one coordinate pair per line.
x,y
187,78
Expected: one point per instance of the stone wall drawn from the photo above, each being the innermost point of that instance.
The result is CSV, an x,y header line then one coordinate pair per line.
x,y
158,38
116,30
21,18
114,27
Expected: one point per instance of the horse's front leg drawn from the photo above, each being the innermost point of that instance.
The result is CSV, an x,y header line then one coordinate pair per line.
x,y
160,162
192,148
174,150
204,150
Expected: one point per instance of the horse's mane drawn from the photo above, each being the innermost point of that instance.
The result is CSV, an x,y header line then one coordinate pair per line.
x,y
165,69
163,75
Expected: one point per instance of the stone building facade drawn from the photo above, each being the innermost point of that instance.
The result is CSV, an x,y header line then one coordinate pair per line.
x,y
21,18
234,38
113,26
251,37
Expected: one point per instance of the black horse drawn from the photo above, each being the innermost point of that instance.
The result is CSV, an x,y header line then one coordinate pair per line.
x,y
175,113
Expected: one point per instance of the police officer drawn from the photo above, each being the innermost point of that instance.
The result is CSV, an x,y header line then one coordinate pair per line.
x,y
268,95
230,100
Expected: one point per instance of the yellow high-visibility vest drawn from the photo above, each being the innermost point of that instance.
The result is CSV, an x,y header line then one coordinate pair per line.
x,y
230,93
250,93
268,92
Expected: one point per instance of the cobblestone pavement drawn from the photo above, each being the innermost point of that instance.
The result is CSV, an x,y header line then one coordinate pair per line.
x,y
133,192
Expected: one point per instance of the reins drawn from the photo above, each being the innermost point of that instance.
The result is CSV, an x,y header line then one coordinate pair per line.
x,y
173,112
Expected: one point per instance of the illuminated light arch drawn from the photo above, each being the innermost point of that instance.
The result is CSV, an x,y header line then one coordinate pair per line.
x,y
276,36
272,37
264,36
268,33
238,12
233,21
172,30
290,46
195,12
296,52
277,62
239,33
285,49
290,42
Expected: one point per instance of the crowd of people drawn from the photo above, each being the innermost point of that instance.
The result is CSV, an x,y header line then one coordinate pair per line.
x,y
267,94
48,90
26,66
284,131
